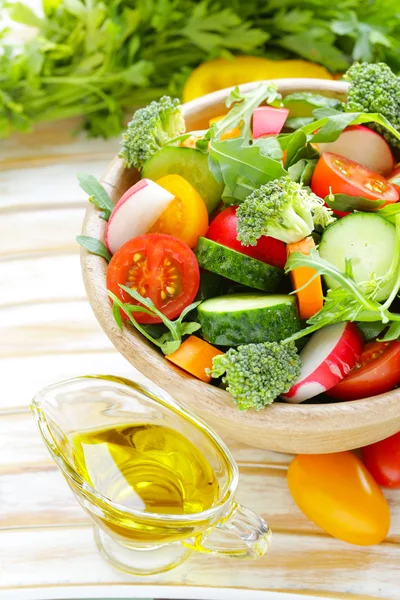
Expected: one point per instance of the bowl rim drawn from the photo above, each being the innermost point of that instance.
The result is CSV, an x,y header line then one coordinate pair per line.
x,y
350,416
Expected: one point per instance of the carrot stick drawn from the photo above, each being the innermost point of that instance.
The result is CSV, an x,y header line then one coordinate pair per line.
x,y
310,299
194,356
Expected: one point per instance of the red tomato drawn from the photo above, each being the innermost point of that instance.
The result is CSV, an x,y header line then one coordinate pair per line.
x,y
344,176
339,495
377,372
159,267
223,231
383,461
395,176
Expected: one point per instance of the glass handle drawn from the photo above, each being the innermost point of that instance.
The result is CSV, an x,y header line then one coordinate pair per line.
x,y
241,523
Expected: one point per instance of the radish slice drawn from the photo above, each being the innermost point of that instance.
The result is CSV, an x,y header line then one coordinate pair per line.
x,y
364,146
329,355
134,214
268,120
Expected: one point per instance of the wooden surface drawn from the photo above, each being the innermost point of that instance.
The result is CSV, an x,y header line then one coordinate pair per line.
x,y
298,428
47,333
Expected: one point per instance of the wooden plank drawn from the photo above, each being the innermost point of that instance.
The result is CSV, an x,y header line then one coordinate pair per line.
x,y
37,557
48,328
54,139
43,278
40,232
50,185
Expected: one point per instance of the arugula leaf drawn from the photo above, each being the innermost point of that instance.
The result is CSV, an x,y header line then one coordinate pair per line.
x,y
302,104
393,332
241,168
242,111
94,246
370,331
345,203
330,127
351,301
168,342
302,170
390,211
97,194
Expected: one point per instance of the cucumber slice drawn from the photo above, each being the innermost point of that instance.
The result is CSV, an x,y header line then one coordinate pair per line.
x,y
248,318
192,165
236,266
368,239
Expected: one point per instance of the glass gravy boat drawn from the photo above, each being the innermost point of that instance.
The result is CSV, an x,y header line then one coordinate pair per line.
x,y
134,540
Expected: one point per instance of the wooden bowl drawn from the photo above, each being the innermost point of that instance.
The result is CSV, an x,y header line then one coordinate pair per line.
x,y
295,428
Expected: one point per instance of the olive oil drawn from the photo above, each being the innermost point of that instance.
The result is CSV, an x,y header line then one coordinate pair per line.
x,y
147,467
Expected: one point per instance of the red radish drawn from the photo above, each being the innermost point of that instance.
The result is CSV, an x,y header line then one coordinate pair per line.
x,y
135,213
364,146
329,355
268,120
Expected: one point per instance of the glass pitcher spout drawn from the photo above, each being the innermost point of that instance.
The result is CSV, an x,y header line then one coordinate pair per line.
x,y
156,480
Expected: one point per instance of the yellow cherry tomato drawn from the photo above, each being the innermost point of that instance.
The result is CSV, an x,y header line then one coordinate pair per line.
x,y
186,217
230,133
338,494
222,72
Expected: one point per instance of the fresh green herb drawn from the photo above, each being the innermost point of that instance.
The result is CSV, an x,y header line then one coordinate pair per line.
x,y
282,209
370,331
94,246
390,211
302,104
330,127
167,342
256,374
374,88
302,170
351,301
241,168
243,105
150,129
345,203
97,194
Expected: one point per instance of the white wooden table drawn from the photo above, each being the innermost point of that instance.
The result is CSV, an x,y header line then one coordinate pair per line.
x,y
48,333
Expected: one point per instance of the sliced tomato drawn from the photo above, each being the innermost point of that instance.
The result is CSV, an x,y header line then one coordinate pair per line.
x,y
343,176
382,460
394,177
223,229
159,267
377,372
186,217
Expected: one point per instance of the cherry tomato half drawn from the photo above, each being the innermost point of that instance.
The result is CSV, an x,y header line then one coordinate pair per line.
x,y
186,217
339,495
377,372
159,267
383,461
394,177
344,176
223,230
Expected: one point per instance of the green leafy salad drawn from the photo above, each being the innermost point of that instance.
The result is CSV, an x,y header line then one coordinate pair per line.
x,y
273,235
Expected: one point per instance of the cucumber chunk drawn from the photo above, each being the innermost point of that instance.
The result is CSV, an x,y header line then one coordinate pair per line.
x,y
236,266
368,239
192,165
248,318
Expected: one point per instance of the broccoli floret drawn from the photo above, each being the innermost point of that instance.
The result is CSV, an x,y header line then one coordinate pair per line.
x,y
374,88
282,209
150,129
256,374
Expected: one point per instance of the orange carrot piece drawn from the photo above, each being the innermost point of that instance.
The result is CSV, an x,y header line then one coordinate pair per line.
x,y
230,133
194,356
310,299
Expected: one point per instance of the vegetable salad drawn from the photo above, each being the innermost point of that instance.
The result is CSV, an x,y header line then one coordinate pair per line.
x,y
262,254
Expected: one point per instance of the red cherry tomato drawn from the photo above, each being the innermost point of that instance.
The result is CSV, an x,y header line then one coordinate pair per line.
x,y
394,178
159,267
223,230
377,372
339,495
344,176
383,461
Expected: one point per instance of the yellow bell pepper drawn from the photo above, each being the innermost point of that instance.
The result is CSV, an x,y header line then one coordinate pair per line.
x,y
221,73
227,135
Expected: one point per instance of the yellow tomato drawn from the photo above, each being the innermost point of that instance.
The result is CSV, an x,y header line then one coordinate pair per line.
x,y
230,133
338,494
186,217
222,72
